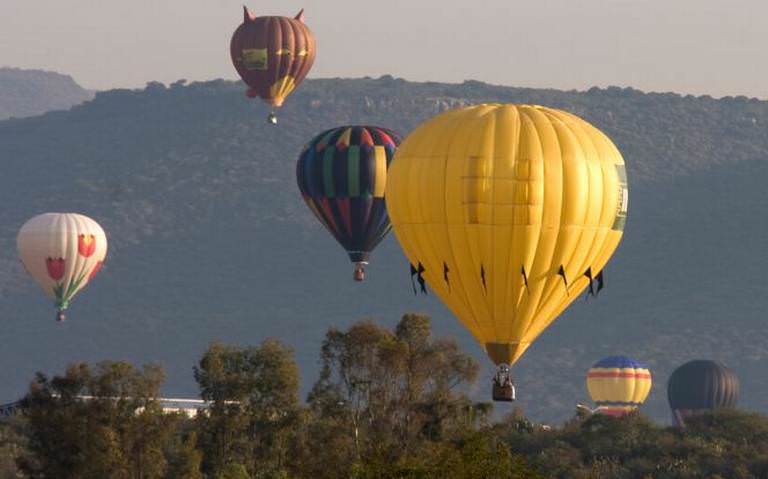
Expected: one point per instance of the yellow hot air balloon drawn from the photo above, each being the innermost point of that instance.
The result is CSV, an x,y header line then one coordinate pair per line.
x,y
508,212
62,252
618,385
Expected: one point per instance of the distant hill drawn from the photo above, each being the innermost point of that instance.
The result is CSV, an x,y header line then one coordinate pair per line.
x,y
26,93
210,238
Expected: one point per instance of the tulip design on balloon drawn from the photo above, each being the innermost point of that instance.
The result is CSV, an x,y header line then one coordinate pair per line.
x,y
62,252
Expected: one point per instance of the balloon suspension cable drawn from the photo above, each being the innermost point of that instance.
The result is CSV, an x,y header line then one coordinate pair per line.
x,y
272,118
359,273
60,316
503,386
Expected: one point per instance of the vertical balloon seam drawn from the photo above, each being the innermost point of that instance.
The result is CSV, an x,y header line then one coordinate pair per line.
x,y
288,63
308,59
562,254
408,242
551,280
452,123
55,243
504,129
608,149
539,264
634,387
506,118
486,230
282,84
76,227
424,156
490,145
289,33
526,299
577,137
420,241
516,263
465,152
298,32
544,303
58,246
596,204
379,230
70,255
276,25
602,236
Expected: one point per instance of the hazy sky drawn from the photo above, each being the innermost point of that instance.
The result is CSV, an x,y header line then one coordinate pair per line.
x,y
689,46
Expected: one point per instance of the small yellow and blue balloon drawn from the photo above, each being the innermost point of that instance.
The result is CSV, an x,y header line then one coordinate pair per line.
x,y
618,385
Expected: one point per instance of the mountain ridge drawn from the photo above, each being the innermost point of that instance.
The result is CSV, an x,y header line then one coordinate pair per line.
x,y
25,93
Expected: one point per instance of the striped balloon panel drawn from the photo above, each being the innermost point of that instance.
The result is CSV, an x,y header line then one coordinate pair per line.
x,y
342,175
619,382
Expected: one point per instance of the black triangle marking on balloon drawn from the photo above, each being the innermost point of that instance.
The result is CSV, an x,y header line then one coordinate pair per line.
x,y
446,270
420,279
525,278
600,282
588,274
561,272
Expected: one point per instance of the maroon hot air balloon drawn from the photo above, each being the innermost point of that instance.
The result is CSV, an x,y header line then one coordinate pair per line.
x,y
272,55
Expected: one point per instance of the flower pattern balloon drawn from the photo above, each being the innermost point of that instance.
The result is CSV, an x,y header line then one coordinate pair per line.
x,y
62,252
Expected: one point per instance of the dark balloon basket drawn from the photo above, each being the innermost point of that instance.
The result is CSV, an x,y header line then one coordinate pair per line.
x,y
504,393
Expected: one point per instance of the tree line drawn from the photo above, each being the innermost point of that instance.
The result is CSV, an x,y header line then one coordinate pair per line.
x,y
387,404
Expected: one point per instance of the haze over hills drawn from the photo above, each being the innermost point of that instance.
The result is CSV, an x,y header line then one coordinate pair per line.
x,y
26,93
209,238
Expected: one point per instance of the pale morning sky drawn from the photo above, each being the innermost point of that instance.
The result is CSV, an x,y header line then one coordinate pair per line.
x,y
705,46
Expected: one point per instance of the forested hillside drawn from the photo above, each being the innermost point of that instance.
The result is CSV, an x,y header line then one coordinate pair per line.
x,y
209,237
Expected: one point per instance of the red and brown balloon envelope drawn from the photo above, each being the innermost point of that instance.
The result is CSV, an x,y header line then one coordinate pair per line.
x,y
272,54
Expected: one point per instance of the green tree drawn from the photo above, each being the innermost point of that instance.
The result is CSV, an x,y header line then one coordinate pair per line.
x,y
254,407
102,422
233,471
184,458
13,446
386,391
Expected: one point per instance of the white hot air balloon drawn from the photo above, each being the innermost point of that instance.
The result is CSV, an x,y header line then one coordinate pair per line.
x,y
62,252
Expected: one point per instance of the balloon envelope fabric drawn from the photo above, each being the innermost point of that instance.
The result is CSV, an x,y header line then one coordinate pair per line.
x,y
509,212
701,385
62,252
272,55
342,174
618,384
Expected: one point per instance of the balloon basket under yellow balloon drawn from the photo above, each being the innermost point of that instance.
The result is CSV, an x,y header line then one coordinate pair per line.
x,y
503,387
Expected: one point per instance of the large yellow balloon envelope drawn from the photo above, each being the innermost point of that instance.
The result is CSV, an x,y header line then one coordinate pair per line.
x,y
62,252
511,211
618,385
